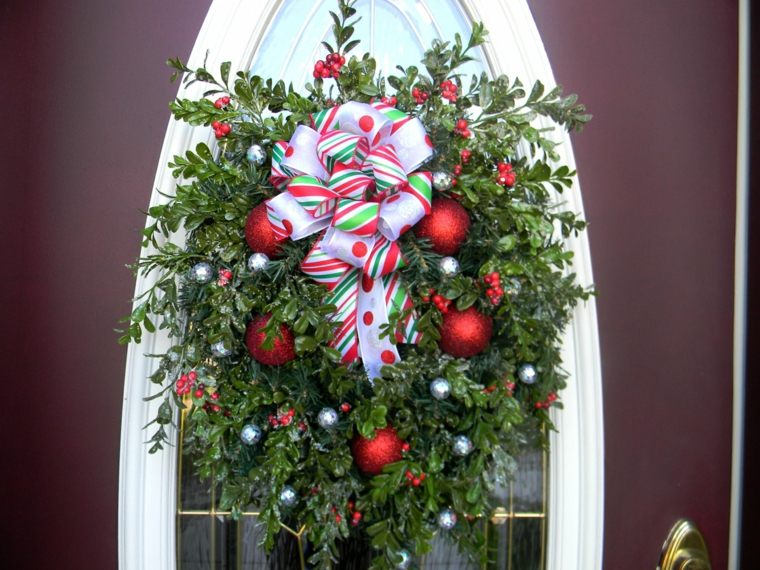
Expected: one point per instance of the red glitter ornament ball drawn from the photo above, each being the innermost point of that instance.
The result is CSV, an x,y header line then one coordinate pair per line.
x,y
371,455
446,226
465,333
259,234
284,349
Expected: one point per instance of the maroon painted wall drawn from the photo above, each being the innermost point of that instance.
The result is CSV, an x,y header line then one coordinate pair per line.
x,y
657,167
83,98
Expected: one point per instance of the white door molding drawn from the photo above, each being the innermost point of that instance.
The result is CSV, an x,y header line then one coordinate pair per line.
x,y
576,462
147,483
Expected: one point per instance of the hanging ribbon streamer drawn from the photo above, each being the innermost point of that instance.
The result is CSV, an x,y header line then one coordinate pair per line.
x,y
351,176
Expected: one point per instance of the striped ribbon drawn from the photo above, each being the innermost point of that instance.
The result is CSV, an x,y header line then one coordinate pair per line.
x,y
350,176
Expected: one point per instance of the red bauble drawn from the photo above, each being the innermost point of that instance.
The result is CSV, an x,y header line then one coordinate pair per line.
x,y
284,349
445,226
371,455
259,234
465,333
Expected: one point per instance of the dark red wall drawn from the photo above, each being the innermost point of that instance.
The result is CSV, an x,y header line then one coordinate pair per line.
x,y
84,93
657,166
83,100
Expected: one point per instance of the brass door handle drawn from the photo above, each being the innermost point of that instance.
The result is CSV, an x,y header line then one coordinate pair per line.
x,y
684,549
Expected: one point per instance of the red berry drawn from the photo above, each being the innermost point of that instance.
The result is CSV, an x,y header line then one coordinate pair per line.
x,y
325,73
302,426
199,393
342,60
345,407
416,482
291,412
357,516
216,407
319,66
218,104
226,100
336,74
457,169
552,397
181,383
437,299
215,395
316,74
415,92
338,518
425,299
409,475
225,128
351,505
461,124
192,375
405,447
422,476
495,300
285,420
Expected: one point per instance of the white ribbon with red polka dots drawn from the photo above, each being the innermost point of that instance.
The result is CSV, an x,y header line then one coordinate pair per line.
x,y
351,175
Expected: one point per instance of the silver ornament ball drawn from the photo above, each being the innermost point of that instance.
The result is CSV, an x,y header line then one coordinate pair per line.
x,y
527,374
251,434
328,418
512,287
220,349
258,262
406,559
449,266
202,272
256,155
288,496
447,519
442,180
462,445
440,388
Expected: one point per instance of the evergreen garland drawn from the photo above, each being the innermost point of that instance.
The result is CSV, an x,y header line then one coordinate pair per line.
x,y
516,230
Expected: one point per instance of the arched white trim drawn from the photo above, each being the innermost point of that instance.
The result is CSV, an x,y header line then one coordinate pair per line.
x,y
576,461
147,483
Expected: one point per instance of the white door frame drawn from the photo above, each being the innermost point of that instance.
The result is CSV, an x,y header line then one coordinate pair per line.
x,y
232,32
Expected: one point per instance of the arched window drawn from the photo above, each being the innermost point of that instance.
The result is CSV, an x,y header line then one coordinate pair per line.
x,y
551,516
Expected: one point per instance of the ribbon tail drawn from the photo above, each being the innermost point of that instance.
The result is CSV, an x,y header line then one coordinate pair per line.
x,y
372,318
398,301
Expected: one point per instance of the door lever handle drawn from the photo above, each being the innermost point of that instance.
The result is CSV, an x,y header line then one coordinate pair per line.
x,y
684,549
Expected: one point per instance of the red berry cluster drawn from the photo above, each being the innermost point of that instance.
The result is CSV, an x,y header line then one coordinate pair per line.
x,y
413,480
222,102
221,129
465,154
419,95
441,303
356,515
449,90
209,406
546,404
284,418
225,276
505,175
185,383
462,129
510,386
494,290
330,67
390,100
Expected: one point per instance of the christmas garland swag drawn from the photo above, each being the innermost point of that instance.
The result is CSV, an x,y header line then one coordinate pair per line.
x,y
367,308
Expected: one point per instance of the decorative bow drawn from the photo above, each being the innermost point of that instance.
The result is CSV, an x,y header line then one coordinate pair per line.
x,y
349,175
